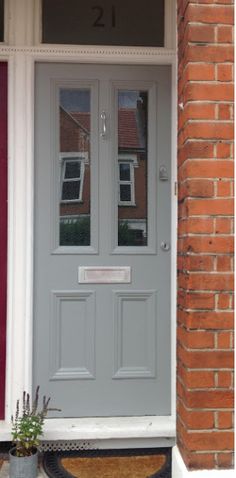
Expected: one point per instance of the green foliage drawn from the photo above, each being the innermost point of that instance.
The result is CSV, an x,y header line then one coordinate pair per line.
x,y
27,426
130,237
75,234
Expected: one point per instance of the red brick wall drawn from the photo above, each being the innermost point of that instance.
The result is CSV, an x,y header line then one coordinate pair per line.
x,y
3,230
205,241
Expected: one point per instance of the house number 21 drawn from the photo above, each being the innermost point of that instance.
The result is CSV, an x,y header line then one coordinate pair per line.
x,y
99,20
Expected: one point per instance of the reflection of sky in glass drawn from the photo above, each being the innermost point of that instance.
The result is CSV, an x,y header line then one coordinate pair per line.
x,y
75,100
128,99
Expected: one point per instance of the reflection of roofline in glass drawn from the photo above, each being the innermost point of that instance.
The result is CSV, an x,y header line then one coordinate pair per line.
x,y
75,120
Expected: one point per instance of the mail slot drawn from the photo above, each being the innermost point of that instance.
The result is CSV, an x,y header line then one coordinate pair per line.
x,y
104,275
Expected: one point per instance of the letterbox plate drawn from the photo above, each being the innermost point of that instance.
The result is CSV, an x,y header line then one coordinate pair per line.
x,y
104,275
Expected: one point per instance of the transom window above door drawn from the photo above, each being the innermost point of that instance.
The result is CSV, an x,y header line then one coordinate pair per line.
x,y
102,22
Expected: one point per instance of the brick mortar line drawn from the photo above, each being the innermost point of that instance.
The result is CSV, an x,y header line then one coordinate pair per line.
x,y
208,389
208,102
187,272
213,331
212,82
208,43
184,235
208,4
199,23
206,216
215,179
204,350
197,140
210,121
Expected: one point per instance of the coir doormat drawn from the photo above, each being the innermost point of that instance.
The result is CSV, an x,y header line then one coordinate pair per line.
x,y
141,463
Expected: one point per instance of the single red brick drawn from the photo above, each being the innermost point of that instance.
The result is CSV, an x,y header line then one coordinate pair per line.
x,y
209,53
209,244
200,263
209,399
198,225
223,150
209,130
199,461
204,281
196,149
199,379
209,92
196,339
224,112
200,300
199,188
224,34
224,188
207,169
206,359
207,14
224,420
209,320
223,301
211,441
224,379
199,71
201,111
201,33
223,225
210,207
225,460
224,72
224,340
223,263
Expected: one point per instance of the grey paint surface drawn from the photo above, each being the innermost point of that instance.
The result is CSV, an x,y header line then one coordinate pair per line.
x,y
102,349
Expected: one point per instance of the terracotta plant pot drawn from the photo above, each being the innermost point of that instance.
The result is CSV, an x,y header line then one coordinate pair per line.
x,y
24,466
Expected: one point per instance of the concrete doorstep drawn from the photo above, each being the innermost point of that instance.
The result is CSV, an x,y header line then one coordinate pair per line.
x,y
4,472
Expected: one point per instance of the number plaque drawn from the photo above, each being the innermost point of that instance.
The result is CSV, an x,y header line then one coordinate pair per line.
x,y
103,22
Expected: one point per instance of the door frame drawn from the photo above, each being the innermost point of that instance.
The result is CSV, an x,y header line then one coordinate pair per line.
x,y
118,432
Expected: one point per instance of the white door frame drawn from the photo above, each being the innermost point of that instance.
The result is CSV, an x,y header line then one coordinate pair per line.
x,y
141,431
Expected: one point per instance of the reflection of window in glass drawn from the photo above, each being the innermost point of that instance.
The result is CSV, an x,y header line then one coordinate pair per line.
x,y
132,167
75,191
126,183
72,179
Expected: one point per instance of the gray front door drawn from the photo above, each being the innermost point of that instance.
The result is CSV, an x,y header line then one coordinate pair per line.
x,y
102,232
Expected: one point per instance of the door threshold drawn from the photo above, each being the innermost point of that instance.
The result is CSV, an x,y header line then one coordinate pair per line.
x,y
108,432
113,432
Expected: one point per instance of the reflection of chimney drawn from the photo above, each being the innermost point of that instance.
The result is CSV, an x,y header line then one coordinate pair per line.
x,y
142,118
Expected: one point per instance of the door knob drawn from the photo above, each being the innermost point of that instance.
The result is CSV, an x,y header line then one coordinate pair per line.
x,y
165,246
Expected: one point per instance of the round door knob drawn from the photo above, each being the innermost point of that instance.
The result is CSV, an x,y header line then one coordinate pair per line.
x,y
165,246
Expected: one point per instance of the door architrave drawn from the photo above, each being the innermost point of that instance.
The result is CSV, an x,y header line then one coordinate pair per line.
x,y
21,62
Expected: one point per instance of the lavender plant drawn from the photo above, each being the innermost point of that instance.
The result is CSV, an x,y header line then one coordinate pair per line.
x,y
27,426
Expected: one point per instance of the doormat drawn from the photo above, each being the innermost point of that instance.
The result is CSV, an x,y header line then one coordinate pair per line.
x,y
141,463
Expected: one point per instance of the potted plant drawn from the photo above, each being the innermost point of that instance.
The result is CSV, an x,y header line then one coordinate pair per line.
x,y
27,428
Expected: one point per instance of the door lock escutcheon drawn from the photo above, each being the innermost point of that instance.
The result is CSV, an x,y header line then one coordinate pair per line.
x,y
165,246
163,174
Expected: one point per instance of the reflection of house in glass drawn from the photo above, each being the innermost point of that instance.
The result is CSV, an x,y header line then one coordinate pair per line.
x,y
131,172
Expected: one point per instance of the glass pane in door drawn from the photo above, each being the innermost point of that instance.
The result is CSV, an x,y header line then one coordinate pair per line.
x,y
132,167
74,167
